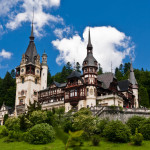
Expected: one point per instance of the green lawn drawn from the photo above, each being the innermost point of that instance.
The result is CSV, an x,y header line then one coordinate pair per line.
x,y
58,145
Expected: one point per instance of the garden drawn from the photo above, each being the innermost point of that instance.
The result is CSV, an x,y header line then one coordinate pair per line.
x,y
55,129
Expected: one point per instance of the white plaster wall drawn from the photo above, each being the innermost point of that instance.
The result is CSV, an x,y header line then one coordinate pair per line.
x,y
44,77
91,97
109,101
67,107
81,104
29,87
135,93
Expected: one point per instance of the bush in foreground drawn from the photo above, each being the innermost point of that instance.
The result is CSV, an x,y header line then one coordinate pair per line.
x,y
101,126
40,134
137,138
144,128
3,132
13,123
95,140
134,122
38,117
116,131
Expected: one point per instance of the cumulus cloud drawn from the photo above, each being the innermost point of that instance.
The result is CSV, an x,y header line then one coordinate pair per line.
x,y
60,33
22,11
5,54
109,45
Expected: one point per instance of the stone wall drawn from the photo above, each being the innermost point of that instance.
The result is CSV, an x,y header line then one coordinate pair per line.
x,y
117,113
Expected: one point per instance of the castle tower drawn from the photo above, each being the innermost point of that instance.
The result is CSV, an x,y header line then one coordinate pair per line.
x,y
89,68
28,77
44,71
134,83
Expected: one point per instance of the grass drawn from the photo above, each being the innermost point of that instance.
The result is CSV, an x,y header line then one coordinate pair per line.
x,y
58,145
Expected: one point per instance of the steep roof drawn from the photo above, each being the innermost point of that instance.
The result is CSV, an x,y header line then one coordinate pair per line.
x,y
89,61
31,51
74,74
132,78
106,79
59,84
123,85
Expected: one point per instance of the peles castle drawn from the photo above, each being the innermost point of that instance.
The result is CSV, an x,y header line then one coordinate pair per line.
x,y
81,90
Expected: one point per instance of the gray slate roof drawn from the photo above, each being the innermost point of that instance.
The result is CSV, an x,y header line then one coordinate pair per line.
x,y
31,51
74,74
132,78
106,79
123,85
59,84
90,60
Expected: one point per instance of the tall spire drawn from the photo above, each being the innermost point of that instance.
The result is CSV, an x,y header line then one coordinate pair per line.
x,y
132,78
32,34
89,46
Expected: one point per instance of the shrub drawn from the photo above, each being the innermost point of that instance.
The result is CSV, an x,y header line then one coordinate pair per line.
x,y
4,131
134,122
24,123
13,124
15,135
101,125
38,117
84,120
116,131
40,134
137,138
95,140
144,128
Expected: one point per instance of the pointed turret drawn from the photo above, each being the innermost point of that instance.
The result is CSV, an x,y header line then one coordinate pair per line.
x,y
31,52
132,78
89,60
89,46
32,34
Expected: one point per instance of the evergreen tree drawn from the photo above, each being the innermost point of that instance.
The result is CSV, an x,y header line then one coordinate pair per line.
x,y
118,74
100,70
69,68
49,78
78,67
144,98
64,74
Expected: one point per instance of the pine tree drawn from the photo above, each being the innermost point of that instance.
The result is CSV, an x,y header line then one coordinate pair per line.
x,y
144,98
49,78
78,67
100,70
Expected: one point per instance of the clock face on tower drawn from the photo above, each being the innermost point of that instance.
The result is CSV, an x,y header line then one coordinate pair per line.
x,y
37,71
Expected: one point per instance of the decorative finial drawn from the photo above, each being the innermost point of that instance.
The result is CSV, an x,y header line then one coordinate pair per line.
x,y
89,46
32,34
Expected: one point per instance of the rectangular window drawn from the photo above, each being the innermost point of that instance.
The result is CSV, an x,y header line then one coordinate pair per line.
x,y
22,80
21,101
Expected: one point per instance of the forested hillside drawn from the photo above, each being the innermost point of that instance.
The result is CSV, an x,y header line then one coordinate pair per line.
x,y
8,84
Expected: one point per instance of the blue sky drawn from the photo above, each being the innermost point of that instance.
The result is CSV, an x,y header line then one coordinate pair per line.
x,y
119,28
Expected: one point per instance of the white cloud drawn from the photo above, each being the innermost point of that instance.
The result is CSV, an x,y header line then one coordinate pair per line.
x,y
60,33
109,45
5,54
22,11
